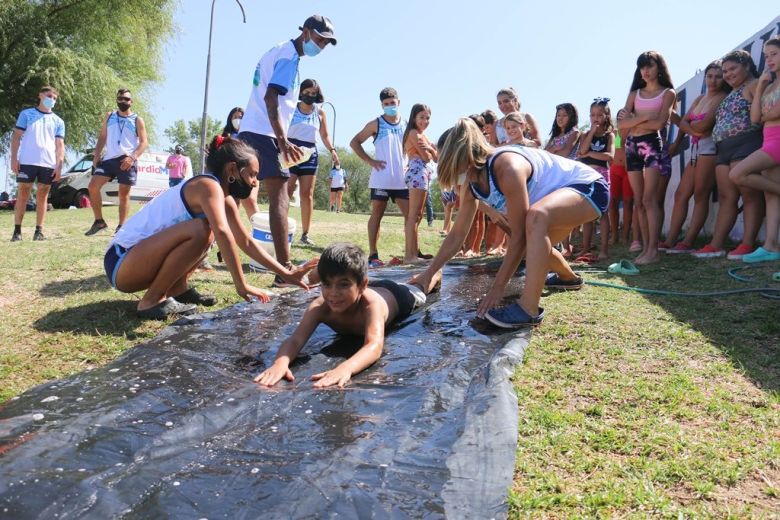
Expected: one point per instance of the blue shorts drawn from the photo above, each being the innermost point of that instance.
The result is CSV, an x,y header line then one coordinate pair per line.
x,y
111,168
174,182
267,150
112,260
384,195
597,193
309,167
30,173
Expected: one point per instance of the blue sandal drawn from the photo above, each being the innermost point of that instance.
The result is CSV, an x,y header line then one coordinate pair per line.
x,y
761,255
513,317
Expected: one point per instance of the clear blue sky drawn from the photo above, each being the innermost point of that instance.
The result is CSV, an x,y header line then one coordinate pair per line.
x,y
452,55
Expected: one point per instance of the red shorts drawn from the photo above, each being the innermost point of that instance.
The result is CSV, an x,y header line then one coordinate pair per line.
x,y
619,187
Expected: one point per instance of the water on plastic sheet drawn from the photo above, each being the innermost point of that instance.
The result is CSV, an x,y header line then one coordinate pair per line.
x,y
176,428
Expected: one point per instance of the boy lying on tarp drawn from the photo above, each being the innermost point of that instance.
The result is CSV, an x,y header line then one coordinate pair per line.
x,y
349,304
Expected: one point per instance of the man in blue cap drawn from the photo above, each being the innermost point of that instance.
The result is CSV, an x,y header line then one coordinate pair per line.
x,y
266,119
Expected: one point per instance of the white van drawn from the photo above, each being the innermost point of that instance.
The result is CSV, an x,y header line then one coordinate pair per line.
x,y
72,190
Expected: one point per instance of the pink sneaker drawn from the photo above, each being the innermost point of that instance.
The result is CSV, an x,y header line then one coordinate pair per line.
x,y
679,249
635,246
738,252
709,252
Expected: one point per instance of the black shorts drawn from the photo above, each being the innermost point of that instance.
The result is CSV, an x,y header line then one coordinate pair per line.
x,y
402,294
738,147
267,150
30,173
309,167
335,190
111,168
384,195
646,151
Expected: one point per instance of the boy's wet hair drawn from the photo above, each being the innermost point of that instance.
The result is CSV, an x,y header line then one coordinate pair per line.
x,y
343,258
388,93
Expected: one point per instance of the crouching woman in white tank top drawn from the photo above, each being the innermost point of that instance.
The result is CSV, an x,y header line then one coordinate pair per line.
x,y
159,247
542,198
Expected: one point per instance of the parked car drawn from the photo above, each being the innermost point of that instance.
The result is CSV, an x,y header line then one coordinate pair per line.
x,y
72,190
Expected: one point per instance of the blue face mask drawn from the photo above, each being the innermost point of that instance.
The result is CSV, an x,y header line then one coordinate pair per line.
x,y
391,110
49,102
310,48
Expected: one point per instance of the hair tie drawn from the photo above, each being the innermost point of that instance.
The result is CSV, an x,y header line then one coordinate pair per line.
x,y
219,140
601,100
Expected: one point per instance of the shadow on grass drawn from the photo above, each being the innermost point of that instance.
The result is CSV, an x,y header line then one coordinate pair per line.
x,y
62,288
745,327
104,318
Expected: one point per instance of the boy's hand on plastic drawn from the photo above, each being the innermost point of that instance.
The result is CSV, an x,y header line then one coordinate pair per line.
x,y
249,292
274,374
338,376
490,301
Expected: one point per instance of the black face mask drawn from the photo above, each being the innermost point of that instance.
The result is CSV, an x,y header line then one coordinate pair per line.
x,y
123,107
238,189
308,99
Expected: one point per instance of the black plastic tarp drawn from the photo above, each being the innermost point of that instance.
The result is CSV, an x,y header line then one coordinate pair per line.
x,y
175,428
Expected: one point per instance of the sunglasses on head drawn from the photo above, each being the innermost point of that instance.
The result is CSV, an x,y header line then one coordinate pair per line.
x,y
124,99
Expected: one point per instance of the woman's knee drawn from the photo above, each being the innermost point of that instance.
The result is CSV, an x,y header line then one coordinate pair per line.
x,y
537,220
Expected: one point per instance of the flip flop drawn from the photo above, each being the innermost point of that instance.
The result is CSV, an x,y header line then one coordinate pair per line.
x,y
623,267
586,258
395,261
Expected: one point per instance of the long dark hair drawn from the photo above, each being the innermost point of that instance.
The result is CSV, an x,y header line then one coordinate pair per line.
x,y
574,119
229,128
223,150
311,83
416,109
648,58
743,58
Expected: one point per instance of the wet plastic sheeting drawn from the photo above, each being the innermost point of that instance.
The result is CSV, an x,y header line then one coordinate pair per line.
x,y
176,429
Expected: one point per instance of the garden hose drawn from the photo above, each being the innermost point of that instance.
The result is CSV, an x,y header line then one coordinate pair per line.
x,y
772,293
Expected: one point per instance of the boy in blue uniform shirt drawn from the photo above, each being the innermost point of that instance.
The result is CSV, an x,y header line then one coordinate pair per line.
x,y
37,153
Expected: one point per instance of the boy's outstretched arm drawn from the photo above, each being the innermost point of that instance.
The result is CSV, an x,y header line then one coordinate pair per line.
x,y
290,347
365,357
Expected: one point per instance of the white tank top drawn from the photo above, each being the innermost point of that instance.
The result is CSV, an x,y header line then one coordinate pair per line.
x,y
549,172
121,135
388,147
165,210
304,127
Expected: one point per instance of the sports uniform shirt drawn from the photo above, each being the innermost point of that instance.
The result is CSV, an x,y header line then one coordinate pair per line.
x,y
41,130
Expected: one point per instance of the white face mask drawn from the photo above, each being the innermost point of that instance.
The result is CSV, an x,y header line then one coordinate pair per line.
x,y
236,123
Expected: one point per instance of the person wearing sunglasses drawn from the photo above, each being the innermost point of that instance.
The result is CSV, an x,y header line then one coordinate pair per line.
x,y
121,142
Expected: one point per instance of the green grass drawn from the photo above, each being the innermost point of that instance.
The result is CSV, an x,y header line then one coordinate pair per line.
x,y
629,405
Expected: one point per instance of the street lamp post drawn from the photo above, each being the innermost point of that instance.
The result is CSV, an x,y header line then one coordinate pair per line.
x,y
206,92
334,121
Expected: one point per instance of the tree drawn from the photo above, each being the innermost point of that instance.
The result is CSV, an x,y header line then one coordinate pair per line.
x,y
187,134
86,49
